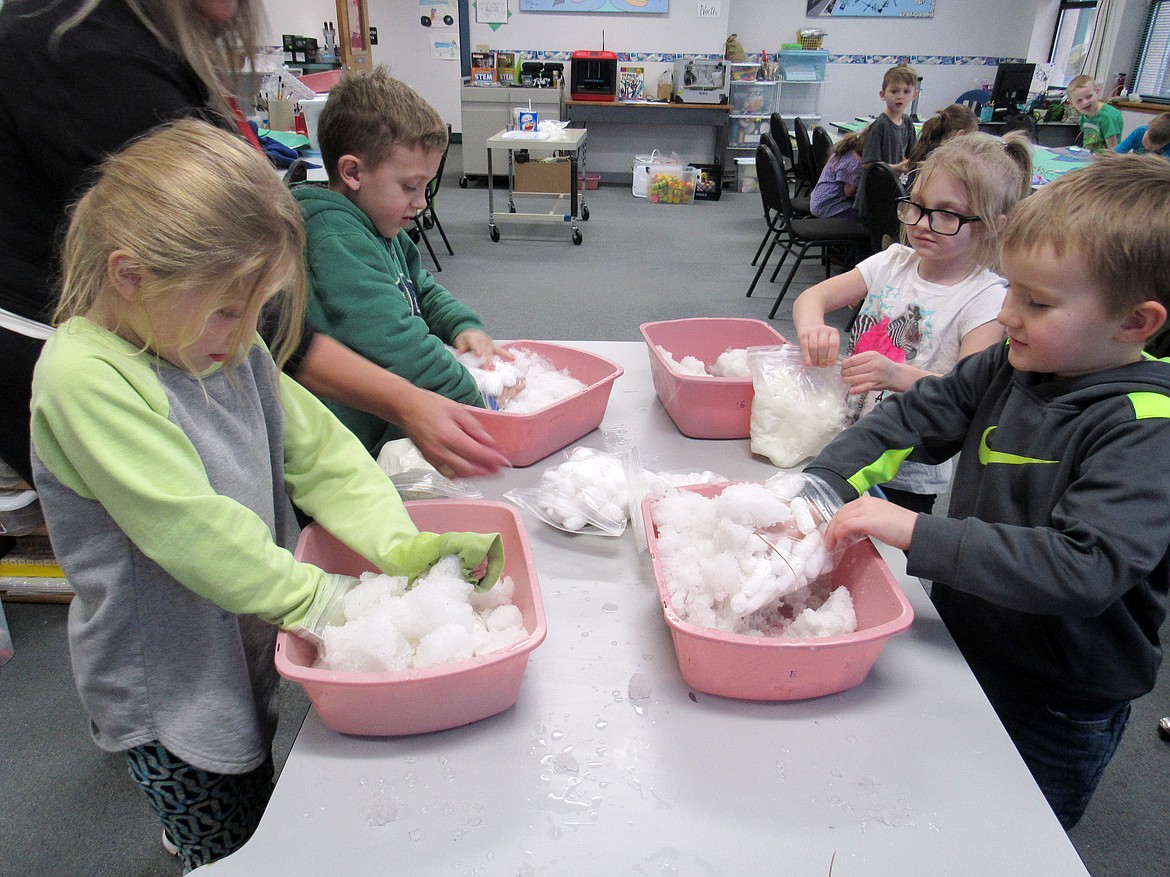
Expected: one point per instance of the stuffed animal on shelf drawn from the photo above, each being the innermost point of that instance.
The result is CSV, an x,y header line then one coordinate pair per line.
x,y
734,51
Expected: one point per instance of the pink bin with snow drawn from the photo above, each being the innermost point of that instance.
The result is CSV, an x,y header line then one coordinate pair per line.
x,y
436,698
762,668
705,406
526,438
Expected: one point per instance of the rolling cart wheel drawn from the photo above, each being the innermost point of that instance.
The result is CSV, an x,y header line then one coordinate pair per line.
x,y
511,208
577,238
584,214
495,234
463,182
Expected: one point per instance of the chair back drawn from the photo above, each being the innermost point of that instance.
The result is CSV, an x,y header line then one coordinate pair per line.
x,y
882,191
974,99
1024,123
822,146
773,184
783,141
767,140
804,156
437,179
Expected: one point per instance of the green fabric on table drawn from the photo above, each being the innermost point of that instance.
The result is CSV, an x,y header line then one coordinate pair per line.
x,y
291,139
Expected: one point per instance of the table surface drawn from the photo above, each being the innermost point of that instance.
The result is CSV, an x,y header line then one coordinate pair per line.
x,y
562,138
908,773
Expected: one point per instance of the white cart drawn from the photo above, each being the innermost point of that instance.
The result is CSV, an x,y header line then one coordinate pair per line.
x,y
570,142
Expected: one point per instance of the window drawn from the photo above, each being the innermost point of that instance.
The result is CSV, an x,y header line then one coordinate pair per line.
x,y
1070,39
1151,73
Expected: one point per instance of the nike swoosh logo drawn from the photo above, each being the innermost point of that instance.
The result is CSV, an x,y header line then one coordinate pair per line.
x,y
987,455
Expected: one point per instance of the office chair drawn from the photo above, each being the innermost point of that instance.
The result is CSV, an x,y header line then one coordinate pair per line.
x,y
822,147
798,236
974,99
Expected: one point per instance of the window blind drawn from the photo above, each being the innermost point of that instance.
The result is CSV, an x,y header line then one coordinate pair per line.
x,y
1151,75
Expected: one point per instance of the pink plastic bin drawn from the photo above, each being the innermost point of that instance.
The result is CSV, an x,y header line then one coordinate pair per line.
x,y
526,438
705,406
755,668
437,698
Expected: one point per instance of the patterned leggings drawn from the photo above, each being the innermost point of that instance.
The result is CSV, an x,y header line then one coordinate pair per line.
x,y
207,815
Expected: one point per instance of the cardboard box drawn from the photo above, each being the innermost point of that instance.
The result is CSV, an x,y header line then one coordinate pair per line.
x,y
547,177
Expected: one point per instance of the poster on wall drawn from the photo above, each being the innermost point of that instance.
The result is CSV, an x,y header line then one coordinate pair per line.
x,y
871,8
437,13
608,6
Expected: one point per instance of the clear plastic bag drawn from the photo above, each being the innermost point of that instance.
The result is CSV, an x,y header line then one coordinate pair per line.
x,y
586,493
796,409
415,478
646,484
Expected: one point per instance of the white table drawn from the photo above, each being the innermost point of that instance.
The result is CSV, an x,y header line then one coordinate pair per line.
x,y
910,773
570,141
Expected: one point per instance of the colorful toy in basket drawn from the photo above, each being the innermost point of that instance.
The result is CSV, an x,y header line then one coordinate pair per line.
x,y
675,185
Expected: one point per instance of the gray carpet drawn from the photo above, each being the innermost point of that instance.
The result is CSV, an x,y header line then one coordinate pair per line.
x,y
70,809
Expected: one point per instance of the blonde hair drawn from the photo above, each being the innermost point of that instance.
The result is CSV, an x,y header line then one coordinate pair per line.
x,y
995,173
903,73
1113,213
369,115
942,126
1082,81
1159,129
200,212
216,52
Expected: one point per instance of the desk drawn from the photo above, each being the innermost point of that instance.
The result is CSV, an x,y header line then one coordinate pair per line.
x,y
649,114
570,140
910,773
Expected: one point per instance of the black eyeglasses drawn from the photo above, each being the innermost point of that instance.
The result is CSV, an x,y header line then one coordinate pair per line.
x,y
945,222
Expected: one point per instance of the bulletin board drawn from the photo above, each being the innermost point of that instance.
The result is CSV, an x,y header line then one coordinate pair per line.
x,y
870,9
607,6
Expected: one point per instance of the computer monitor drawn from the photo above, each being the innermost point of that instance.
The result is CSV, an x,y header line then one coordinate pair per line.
x,y
1012,84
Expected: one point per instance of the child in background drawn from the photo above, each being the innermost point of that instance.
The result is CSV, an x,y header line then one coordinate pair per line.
x,y
952,121
833,194
381,144
1101,124
1051,568
1154,137
166,449
927,305
890,136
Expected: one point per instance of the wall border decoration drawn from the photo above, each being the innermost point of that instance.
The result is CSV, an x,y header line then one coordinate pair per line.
x,y
609,7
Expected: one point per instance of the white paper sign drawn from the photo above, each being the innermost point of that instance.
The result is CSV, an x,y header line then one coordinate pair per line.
x,y
491,11
710,8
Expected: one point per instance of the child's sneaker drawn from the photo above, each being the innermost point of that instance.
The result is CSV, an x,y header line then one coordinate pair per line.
x,y
169,845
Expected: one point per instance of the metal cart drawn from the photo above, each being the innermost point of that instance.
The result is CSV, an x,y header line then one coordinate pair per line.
x,y
570,142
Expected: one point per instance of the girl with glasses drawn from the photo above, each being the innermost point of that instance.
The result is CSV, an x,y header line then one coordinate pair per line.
x,y
928,302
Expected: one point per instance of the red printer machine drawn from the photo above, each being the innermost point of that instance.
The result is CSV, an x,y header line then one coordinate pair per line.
x,y
594,76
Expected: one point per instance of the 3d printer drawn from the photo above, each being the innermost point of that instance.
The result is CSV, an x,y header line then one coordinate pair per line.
x,y
593,76
700,81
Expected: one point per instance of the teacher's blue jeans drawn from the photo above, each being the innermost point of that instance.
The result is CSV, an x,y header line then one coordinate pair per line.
x,y
1066,748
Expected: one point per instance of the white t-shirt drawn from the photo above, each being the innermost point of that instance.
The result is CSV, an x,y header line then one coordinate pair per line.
x,y
927,322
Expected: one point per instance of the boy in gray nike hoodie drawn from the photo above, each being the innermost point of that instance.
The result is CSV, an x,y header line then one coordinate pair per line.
x,y
1051,568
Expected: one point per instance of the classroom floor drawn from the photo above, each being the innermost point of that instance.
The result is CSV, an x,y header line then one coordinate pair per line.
x,y
70,809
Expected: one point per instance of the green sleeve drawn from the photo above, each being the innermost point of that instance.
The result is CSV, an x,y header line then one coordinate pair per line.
x,y
444,313
358,298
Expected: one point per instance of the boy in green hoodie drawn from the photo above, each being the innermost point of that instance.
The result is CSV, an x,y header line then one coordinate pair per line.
x,y
1052,566
381,144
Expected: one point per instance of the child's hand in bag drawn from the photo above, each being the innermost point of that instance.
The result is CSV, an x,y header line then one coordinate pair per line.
x,y
820,345
327,608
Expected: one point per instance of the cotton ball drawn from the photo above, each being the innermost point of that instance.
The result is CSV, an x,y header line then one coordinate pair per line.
x,y
429,606
802,515
693,366
444,644
503,617
372,592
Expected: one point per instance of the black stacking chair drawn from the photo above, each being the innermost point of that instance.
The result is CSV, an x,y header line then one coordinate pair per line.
x,y
427,217
882,191
800,203
822,146
798,236
806,173
783,140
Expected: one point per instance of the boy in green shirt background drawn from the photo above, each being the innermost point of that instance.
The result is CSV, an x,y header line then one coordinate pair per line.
x,y
1101,124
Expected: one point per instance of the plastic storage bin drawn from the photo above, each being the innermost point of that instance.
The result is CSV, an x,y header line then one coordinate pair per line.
x,y
803,65
436,698
746,177
20,512
526,438
744,71
753,98
708,182
705,406
746,130
671,184
762,668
